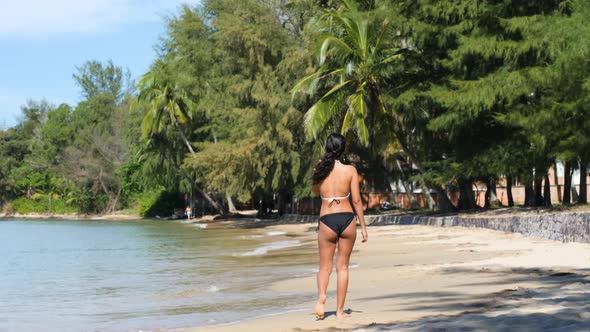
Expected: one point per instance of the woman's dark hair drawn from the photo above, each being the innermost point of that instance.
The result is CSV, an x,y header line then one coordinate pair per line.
x,y
334,149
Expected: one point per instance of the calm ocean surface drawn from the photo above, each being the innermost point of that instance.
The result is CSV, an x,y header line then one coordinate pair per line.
x,y
134,275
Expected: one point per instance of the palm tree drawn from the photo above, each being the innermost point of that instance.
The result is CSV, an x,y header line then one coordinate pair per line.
x,y
169,105
167,102
356,53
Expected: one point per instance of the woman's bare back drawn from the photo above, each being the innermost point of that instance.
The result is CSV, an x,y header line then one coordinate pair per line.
x,y
337,185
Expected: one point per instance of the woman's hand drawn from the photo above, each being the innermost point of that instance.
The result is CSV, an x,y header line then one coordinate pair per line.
x,y
364,234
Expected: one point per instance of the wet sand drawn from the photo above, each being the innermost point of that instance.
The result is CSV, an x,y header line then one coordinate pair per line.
x,y
416,278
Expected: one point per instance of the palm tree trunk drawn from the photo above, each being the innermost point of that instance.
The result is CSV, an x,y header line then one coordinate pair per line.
x,y
197,188
230,203
185,140
215,205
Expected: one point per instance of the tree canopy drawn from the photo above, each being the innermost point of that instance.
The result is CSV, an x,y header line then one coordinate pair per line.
x,y
242,94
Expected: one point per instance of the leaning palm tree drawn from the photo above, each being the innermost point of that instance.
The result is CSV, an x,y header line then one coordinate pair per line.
x,y
168,105
356,53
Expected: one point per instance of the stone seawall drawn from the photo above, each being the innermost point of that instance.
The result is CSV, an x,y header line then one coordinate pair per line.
x,y
565,227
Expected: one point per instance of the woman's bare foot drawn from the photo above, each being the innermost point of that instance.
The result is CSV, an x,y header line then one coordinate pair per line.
x,y
319,307
341,314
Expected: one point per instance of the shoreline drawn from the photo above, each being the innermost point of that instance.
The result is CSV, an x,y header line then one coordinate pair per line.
x,y
570,225
112,216
246,214
416,277
305,218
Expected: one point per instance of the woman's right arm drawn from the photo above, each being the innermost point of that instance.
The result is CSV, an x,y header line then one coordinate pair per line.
x,y
315,188
357,202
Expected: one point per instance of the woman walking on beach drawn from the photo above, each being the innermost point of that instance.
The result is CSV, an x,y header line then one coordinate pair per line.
x,y
338,186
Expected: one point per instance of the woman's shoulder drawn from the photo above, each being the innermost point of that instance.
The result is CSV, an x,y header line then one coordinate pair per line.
x,y
349,168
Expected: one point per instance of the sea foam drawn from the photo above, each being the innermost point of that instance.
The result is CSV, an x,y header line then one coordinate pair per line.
x,y
248,237
271,246
275,233
213,289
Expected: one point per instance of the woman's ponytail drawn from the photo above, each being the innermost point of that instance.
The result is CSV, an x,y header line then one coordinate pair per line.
x,y
335,146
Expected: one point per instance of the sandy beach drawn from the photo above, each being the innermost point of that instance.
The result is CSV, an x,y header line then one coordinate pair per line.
x,y
416,278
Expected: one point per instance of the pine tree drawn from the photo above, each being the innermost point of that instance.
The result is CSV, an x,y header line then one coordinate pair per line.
x,y
482,62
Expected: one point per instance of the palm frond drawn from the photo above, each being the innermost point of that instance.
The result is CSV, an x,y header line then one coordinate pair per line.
x,y
146,124
335,89
332,43
358,106
316,118
307,81
347,122
397,54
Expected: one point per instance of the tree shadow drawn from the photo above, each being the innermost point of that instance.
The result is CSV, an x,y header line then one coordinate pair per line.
x,y
562,302
562,320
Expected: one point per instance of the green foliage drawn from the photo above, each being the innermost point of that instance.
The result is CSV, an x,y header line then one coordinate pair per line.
x,y
428,91
156,202
96,78
254,143
40,203
356,51
487,66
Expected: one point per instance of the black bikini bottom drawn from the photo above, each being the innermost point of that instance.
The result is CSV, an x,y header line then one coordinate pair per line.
x,y
337,221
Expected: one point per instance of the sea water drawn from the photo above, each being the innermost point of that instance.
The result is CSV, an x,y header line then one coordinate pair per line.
x,y
143,275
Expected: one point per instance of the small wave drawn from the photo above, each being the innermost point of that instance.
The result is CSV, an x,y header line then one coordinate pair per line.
x,y
275,233
248,237
213,289
201,226
235,322
316,270
271,246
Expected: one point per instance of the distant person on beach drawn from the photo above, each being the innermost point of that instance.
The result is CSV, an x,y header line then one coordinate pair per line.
x,y
338,186
188,212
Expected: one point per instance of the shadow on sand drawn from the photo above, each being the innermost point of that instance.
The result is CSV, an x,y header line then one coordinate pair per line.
x,y
561,303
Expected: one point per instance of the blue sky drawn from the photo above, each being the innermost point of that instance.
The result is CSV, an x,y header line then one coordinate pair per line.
x,y
42,42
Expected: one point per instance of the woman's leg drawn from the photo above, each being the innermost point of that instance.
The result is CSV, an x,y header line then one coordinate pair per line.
x,y
345,245
327,246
